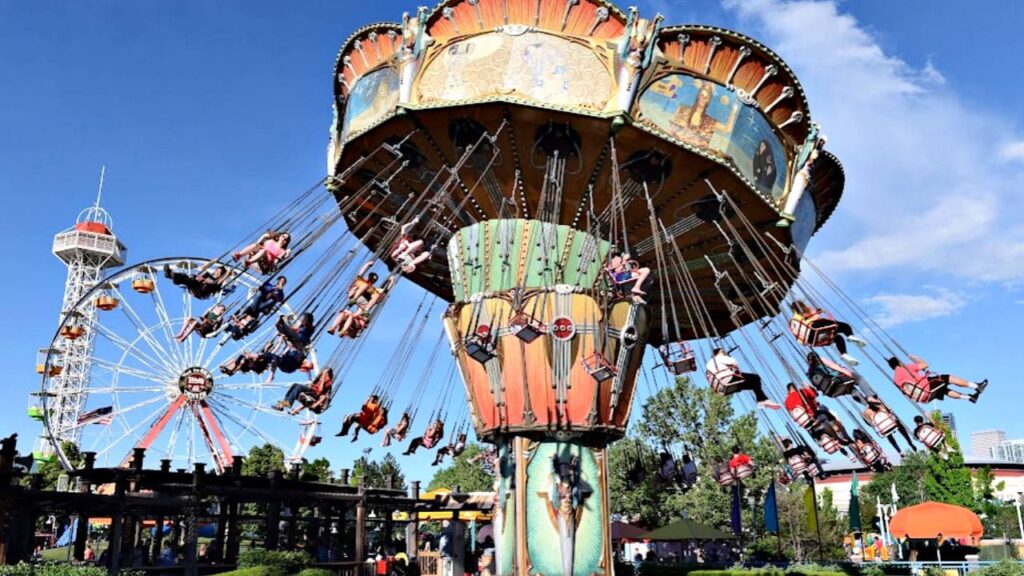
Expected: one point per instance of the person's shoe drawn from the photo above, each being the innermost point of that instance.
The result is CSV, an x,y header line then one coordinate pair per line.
x,y
981,387
768,404
849,359
167,271
857,340
340,433
279,406
973,398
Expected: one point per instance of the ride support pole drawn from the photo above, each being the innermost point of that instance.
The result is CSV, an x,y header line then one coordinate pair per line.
x,y
360,547
273,514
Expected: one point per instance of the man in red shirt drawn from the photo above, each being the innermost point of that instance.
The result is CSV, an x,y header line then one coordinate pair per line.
x,y
917,384
806,397
739,459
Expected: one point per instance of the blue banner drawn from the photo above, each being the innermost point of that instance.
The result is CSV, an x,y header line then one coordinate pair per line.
x,y
737,525
771,511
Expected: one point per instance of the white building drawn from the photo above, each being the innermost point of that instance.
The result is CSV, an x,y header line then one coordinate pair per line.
x,y
983,441
1009,450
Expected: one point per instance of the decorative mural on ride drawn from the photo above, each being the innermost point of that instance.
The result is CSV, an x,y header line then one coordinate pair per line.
x,y
373,97
711,117
517,62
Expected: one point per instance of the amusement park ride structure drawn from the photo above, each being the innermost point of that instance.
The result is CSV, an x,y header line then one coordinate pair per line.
x,y
575,182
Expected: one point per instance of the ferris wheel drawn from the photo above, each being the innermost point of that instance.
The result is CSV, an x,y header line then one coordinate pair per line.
x,y
149,388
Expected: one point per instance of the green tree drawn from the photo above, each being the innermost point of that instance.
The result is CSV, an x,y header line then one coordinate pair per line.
x,y
909,479
371,473
468,476
949,480
262,460
317,470
51,470
799,542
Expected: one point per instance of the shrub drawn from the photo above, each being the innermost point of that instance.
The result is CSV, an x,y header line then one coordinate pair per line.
x,y
1004,568
315,572
59,569
256,571
288,562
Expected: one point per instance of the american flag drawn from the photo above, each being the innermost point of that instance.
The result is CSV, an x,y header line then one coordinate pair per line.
x,y
102,416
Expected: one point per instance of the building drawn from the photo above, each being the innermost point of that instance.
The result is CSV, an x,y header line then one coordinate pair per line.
x,y
950,422
839,475
1009,450
983,441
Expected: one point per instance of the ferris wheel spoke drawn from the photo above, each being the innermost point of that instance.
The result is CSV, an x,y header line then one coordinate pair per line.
x,y
131,431
121,369
172,440
240,421
161,312
256,407
257,385
186,306
118,413
127,389
146,333
129,348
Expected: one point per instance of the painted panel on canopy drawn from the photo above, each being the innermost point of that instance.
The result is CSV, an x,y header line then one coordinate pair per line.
x,y
542,255
617,316
806,219
476,372
539,376
544,510
709,116
534,65
372,98
582,386
586,261
506,236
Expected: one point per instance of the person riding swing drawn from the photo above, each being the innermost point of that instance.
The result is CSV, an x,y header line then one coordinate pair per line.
x,y
740,464
802,404
408,251
828,377
922,386
829,432
931,436
433,435
315,397
363,297
371,418
869,452
452,449
725,377
623,271
815,327
205,325
886,424
398,431
800,459
206,282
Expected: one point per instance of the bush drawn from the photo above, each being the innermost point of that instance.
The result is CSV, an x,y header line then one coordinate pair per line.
x,y
59,569
256,571
288,562
1004,568
315,572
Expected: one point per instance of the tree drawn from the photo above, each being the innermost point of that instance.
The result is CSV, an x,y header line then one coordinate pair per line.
x,y
51,470
262,460
909,479
317,470
371,473
949,480
467,476
801,543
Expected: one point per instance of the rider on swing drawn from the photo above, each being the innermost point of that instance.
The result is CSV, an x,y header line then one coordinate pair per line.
x,y
408,252
452,449
319,390
721,363
917,384
884,421
398,431
623,270
433,435
817,319
371,417
364,295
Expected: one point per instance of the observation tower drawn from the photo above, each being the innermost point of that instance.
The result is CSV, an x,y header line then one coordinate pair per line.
x,y
551,151
87,249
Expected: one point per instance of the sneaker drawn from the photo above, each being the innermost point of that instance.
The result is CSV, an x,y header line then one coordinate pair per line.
x,y
849,359
279,406
981,387
857,340
768,404
973,398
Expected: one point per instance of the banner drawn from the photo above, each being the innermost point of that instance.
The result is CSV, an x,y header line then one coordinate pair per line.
x,y
737,523
811,509
854,509
771,511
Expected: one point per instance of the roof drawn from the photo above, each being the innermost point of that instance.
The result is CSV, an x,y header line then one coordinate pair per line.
x,y
687,530
838,467
625,531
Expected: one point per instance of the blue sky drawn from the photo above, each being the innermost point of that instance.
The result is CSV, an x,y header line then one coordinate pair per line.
x,y
210,115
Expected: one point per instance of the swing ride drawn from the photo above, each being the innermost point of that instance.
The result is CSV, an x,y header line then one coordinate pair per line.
x,y
569,183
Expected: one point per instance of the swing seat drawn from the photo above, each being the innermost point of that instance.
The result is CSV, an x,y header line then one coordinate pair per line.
x,y
870,454
802,417
930,436
678,358
797,464
724,476
833,386
315,440
107,303
884,423
809,335
480,347
829,444
599,367
622,279
143,285
526,327
725,381
308,400
743,471
919,391
72,331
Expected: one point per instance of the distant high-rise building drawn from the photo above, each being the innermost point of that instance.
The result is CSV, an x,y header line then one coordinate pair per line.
x,y
1010,450
950,423
982,442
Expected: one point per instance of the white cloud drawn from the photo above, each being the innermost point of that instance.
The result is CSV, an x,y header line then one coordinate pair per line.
x,y
893,309
1012,151
927,189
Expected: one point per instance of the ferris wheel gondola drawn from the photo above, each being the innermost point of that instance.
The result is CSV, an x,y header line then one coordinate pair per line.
x,y
149,388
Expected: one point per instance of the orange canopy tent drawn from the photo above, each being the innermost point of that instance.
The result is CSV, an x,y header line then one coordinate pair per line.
x,y
930,519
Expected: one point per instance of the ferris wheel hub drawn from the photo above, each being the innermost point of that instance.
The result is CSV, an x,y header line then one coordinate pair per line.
x,y
195,383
